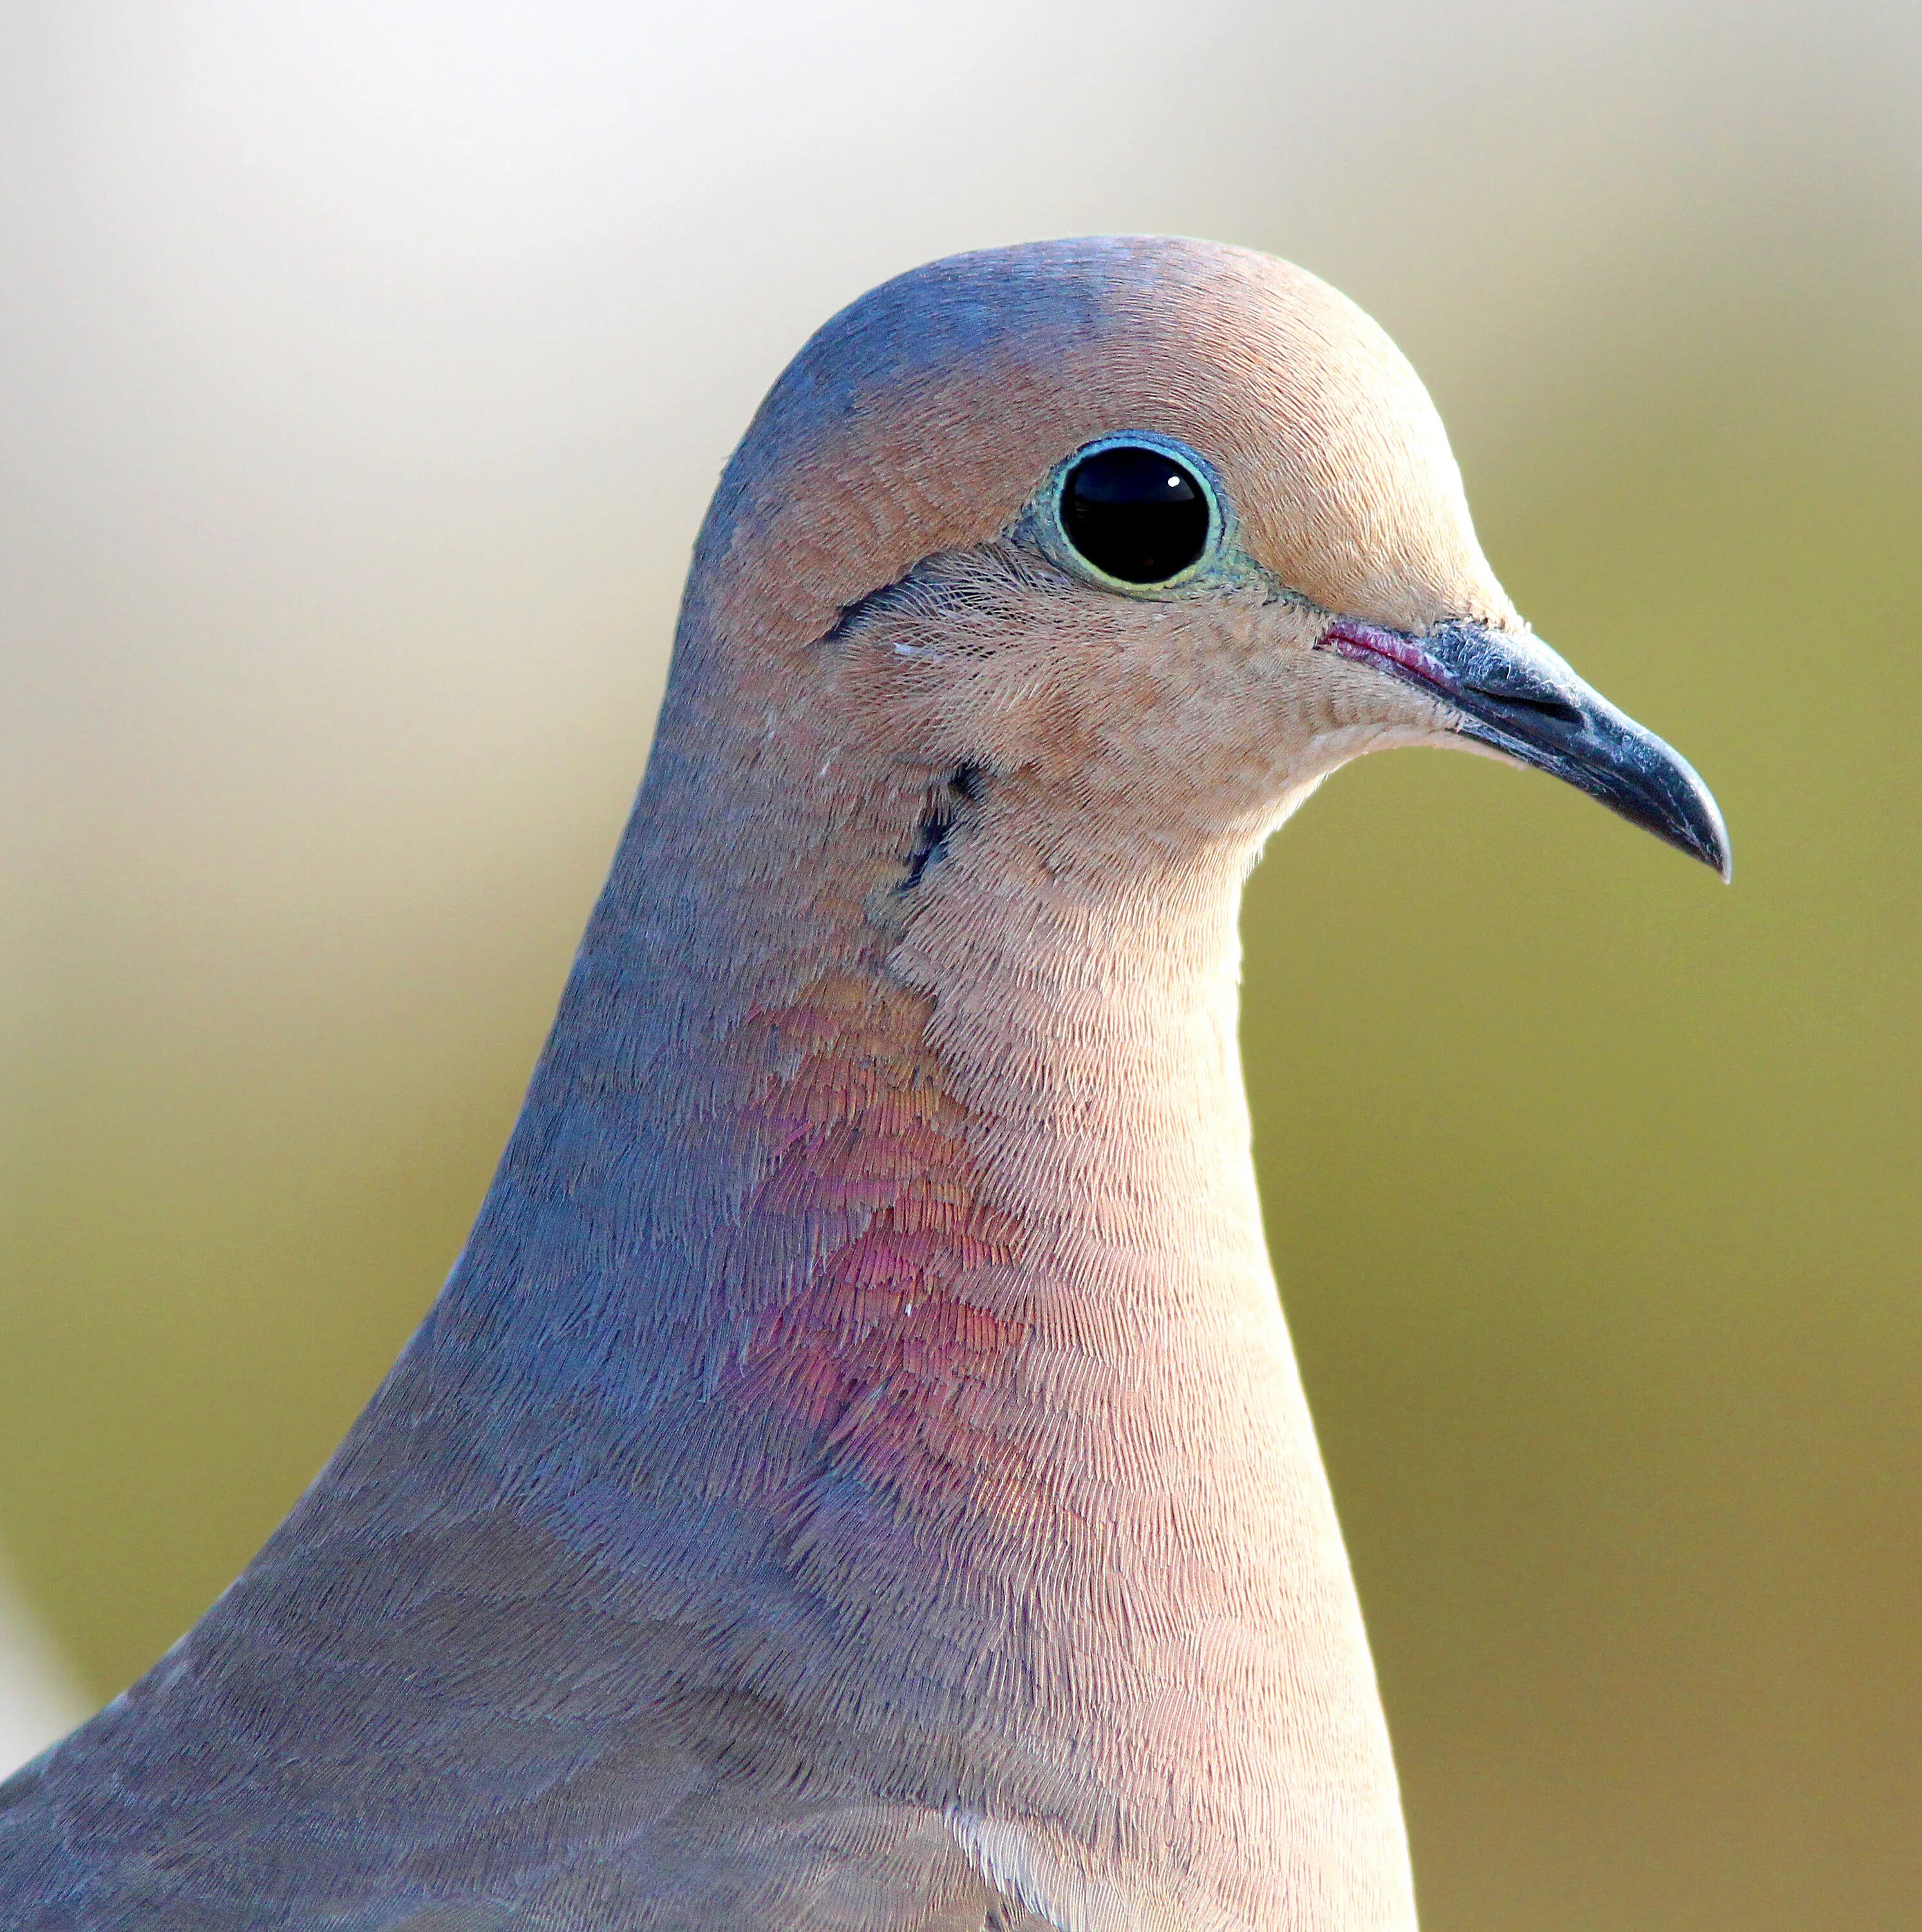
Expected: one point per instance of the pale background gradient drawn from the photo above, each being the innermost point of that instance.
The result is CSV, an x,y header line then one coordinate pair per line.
x,y
364,372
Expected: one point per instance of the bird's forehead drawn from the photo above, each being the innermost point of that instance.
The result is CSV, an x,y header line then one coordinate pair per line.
x,y
924,415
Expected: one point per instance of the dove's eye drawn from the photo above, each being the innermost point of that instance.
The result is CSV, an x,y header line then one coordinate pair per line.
x,y
1135,513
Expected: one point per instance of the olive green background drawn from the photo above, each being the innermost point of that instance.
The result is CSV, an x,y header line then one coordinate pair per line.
x,y
365,373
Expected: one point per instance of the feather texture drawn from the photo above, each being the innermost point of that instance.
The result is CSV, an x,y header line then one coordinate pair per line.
x,y
856,1477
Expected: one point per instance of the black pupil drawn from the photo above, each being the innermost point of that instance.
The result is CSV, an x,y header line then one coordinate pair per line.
x,y
1136,513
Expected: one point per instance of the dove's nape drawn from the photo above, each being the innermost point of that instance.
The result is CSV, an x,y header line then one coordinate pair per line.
x,y
856,1478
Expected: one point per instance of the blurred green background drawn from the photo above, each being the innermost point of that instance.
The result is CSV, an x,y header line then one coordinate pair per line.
x,y
363,374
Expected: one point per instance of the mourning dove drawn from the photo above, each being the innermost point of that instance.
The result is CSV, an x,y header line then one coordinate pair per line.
x,y
856,1478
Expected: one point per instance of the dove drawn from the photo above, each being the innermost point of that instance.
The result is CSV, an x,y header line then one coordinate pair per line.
x,y
856,1477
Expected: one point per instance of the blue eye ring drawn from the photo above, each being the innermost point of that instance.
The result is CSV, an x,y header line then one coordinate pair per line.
x,y
1193,543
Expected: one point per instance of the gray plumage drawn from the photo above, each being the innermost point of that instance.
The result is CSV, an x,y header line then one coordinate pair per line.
x,y
856,1478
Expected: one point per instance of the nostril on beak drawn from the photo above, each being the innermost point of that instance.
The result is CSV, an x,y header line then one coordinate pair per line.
x,y
1557,708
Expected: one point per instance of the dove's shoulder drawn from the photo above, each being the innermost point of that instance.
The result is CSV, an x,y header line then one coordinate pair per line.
x,y
425,1704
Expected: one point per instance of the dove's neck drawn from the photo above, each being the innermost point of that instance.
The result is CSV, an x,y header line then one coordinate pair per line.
x,y
882,1222
900,1129
839,1039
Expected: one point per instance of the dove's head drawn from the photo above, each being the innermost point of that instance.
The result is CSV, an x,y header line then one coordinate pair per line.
x,y
1132,540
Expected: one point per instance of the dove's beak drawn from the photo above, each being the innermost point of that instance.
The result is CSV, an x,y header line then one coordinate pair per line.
x,y
1508,692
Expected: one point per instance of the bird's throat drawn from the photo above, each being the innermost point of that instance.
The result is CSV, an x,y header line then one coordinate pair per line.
x,y
877,1264
871,1132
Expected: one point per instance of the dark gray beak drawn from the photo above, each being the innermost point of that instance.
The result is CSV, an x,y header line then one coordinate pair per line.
x,y
1511,692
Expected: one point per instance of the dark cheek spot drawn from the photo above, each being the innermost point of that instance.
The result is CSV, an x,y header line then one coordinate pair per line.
x,y
964,785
